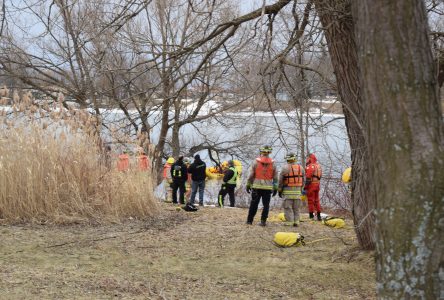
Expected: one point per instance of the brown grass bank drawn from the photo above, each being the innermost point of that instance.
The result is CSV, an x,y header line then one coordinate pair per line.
x,y
210,254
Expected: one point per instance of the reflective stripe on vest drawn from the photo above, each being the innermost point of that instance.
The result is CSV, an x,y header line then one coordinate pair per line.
x,y
293,192
295,177
177,172
233,179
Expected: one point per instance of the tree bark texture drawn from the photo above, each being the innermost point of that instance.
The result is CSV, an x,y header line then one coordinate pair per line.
x,y
335,16
406,146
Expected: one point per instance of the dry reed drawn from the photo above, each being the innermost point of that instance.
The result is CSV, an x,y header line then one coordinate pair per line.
x,y
53,170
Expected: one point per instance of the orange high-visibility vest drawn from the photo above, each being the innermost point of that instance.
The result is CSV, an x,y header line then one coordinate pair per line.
x,y
167,171
144,163
264,168
123,163
295,177
317,173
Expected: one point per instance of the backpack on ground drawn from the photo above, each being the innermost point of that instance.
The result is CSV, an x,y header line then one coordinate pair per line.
x,y
189,207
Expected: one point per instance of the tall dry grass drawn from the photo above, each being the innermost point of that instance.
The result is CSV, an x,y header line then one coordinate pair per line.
x,y
53,170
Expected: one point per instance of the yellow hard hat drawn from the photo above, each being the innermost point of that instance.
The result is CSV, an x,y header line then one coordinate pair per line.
x,y
266,149
170,160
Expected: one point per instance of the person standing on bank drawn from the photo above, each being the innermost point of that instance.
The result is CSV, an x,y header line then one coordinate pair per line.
x,y
228,184
198,175
179,174
262,181
291,182
313,175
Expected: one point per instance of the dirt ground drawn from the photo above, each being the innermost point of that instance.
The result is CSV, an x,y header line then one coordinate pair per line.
x,y
209,254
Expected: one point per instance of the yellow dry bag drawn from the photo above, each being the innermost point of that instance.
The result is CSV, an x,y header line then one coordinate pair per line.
x,y
288,239
346,176
334,222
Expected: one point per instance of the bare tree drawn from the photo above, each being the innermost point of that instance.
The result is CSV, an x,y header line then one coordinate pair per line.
x,y
405,134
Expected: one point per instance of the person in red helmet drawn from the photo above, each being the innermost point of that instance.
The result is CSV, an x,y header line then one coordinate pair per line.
x,y
313,174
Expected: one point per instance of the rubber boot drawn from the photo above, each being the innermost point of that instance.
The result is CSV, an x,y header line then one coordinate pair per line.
x,y
319,216
311,216
263,223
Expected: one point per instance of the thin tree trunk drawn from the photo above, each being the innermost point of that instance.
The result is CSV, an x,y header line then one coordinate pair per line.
x,y
175,139
406,146
335,16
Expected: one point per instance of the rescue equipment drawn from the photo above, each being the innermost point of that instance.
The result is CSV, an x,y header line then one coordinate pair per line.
x,y
288,239
217,173
334,222
281,217
346,176
214,173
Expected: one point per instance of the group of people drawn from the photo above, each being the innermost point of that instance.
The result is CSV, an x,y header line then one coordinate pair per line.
x,y
189,178
264,181
291,184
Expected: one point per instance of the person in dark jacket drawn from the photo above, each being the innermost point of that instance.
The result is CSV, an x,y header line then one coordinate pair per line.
x,y
179,174
228,184
197,170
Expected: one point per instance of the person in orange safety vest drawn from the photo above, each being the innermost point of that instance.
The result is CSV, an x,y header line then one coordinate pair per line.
x,y
144,161
291,182
313,175
123,162
261,183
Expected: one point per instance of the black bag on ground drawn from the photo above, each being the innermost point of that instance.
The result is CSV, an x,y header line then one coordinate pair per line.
x,y
189,207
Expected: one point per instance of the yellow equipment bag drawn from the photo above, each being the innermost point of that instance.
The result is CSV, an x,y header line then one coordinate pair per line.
x,y
281,217
288,239
213,173
334,222
346,176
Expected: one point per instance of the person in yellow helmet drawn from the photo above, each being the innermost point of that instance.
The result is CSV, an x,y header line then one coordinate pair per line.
x,y
168,180
291,182
262,184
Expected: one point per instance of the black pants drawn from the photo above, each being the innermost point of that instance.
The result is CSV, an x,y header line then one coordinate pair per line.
x,y
226,189
178,185
256,196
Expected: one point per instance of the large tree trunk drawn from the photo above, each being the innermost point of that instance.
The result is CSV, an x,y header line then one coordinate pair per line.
x,y
335,16
406,146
